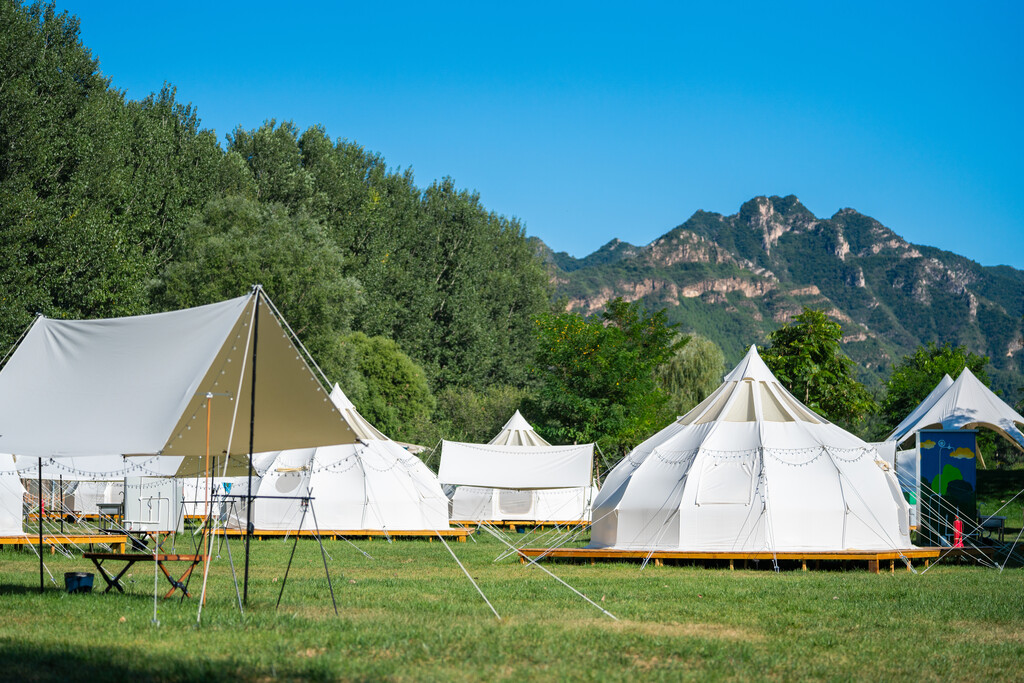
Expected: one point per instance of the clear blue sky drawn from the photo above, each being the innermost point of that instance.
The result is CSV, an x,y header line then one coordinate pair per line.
x,y
589,121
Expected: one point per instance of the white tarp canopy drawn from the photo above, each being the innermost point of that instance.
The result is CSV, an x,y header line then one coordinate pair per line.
x,y
965,404
515,467
372,485
12,495
750,469
138,385
518,432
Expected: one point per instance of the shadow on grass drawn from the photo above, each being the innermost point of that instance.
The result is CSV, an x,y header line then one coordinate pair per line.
x,y
57,662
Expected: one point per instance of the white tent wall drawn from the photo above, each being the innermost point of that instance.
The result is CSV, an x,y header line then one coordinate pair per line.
x,y
12,496
377,485
88,495
750,469
483,504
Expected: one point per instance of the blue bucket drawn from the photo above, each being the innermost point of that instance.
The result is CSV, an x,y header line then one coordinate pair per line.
x,y
78,582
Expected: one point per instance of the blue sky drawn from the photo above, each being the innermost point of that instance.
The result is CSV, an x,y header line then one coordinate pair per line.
x,y
590,121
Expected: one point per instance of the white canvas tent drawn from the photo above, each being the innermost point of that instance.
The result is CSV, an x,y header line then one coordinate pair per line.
x,y
750,469
139,385
371,485
518,476
964,404
12,496
518,432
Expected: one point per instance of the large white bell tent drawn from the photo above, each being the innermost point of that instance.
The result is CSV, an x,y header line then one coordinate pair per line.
x,y
518,476
963,404
374,484
750,469
12,496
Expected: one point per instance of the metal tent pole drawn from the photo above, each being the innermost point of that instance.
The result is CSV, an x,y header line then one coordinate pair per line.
x,y
40,485
252,426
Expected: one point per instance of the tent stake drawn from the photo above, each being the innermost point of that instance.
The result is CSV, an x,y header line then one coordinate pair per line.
x,y
252,425
40,484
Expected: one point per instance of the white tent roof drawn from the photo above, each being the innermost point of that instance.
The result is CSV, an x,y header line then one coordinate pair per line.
x,y
518,432
750,468
966,404
934,395
363,430
138,385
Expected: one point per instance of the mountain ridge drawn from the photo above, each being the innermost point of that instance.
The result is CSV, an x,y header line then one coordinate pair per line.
x,y
734,278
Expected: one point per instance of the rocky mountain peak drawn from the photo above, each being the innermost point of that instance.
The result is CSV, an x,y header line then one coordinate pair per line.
x,y
772,217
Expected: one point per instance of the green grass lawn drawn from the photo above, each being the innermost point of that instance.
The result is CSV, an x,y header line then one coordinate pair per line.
x,y
410,614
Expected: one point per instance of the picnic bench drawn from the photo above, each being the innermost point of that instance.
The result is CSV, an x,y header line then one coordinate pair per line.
x,y
114,581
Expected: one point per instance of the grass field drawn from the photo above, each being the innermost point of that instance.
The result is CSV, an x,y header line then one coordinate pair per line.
x,y
410,614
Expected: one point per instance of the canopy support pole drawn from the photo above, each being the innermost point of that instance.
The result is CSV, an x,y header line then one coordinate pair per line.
x,y
40,484
252,427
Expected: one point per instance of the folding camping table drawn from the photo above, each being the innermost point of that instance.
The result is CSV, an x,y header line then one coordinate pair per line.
x,y
114,581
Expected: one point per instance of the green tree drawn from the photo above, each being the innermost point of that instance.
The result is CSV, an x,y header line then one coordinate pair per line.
x,y
387,387
237,243
806,357
691,375
94,190
476,416
597,378
916,375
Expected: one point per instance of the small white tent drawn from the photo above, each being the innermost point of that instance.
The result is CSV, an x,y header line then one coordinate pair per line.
x,y
371,485
518,476
964,404
12,496
750,469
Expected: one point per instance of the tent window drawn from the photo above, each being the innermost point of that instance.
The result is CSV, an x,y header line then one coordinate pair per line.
x,y
742,409
799,412
712,414
772,409
725,483
696,412
515,502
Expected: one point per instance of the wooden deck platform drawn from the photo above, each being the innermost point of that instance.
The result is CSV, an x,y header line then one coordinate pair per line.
x,y
515,524
873,558
459,535
113,540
